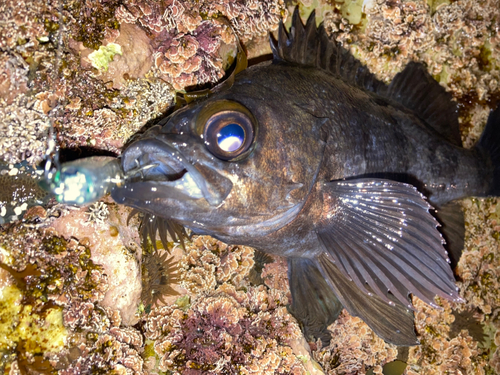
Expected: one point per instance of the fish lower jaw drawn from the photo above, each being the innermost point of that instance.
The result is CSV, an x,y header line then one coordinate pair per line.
x,y
186,184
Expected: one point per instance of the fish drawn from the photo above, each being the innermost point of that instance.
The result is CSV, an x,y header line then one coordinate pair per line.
x,y
310,157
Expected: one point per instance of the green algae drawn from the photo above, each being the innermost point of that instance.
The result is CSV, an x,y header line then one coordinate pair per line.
x,y
183,302
101,58
31,324
435,4
26,331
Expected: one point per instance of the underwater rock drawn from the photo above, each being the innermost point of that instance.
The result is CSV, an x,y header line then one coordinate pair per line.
x,y
458,40
354,348
190,43
133,60
115,247
209,261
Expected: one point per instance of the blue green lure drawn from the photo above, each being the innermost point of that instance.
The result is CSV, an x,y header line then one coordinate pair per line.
x,y
85,180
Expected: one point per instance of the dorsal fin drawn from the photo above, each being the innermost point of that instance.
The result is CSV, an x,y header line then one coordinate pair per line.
x,y
311,46
414,88
417,90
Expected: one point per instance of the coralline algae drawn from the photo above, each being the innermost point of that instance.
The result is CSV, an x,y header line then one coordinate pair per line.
x,y
75,274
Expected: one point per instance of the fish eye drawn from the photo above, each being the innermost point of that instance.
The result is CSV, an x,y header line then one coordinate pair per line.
x,y
230,137
229,132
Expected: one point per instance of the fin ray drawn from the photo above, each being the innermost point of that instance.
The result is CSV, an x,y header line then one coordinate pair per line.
x,y
393,322
451,217
380,232
314,303
414,87
489,145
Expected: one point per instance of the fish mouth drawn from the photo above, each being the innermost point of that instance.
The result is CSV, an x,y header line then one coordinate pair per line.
x,y
157,168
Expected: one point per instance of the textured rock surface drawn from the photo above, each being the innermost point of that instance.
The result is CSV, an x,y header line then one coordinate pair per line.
x,y
76,273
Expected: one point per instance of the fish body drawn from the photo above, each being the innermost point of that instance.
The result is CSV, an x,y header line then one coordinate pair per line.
x,y
311,158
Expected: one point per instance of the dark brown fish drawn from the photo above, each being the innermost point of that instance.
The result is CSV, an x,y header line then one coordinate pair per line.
x,y
311,158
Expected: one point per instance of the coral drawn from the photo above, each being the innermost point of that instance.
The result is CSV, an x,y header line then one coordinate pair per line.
x,y
354,348
275,275
16,26
46,76
438,353
188,37
394,34
102,109
187,63
23,132
113,351
40,55
209,261
479,267
224,325
226,332
13,77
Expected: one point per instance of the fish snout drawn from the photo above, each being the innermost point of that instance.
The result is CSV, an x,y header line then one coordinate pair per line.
x,y
160,163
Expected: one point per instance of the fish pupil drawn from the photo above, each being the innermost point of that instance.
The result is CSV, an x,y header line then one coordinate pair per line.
x,y
230,137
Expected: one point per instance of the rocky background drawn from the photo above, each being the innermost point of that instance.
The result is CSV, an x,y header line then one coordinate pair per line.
x,y
80,293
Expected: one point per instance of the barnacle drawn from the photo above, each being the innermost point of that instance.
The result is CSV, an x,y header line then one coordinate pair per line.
x,y
159,273
98,212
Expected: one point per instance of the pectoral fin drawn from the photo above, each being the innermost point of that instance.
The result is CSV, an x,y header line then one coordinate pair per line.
x,y
392,322
382,238
314,303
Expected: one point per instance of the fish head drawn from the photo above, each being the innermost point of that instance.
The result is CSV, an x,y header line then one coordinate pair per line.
x,y
227,165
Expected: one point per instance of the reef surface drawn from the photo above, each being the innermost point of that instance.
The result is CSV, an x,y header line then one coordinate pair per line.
x,y
80,293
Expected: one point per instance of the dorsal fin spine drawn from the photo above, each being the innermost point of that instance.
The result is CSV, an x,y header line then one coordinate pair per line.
x,y
413,88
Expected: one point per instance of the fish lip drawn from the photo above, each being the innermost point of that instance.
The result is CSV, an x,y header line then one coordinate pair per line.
x,y
186,178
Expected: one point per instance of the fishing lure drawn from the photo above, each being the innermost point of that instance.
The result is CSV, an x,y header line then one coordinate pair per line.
x,y
20,191
85,180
